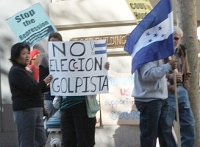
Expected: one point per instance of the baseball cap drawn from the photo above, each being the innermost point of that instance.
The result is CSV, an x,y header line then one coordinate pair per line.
x,y
33,53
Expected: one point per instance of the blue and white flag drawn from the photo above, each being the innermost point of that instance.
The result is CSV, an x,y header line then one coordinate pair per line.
x,y
100,48
152,39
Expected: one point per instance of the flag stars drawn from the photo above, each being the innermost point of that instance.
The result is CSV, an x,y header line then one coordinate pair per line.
x,y
159,28
147,34
150,40
156,35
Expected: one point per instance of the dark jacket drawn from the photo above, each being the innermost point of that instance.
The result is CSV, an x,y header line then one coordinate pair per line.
x,y
43,72
26,92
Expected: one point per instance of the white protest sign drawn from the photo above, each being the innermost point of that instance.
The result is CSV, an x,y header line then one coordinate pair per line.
x,y
118,106
31,25
78,68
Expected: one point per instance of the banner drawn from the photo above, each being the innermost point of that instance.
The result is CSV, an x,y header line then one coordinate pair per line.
x,y
31,25
78,68
139,8
118,106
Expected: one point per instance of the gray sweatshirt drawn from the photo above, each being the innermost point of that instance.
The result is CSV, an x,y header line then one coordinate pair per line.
x,y
150,82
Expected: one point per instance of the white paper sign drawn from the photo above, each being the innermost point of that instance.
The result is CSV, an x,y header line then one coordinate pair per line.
x,y
78,68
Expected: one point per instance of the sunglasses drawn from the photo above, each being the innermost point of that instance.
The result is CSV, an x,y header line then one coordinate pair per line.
x,y
176,38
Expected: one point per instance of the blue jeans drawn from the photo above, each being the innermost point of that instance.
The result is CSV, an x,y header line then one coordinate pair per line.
x,y
77,129
187,122
30,127
154,123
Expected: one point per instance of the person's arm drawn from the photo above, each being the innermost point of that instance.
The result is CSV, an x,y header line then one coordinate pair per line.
x,y
43,72
43,67
152,71
20,79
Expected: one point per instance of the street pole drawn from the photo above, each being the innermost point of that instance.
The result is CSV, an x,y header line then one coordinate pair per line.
x,y
1,117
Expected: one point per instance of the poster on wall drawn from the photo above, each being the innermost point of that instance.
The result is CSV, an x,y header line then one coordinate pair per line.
x,y
139,8
118,106
78,68
31,25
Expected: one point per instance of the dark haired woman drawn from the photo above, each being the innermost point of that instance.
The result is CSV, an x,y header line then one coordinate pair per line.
x,y
26,98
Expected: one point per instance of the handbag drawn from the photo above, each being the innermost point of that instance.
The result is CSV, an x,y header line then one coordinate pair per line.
x,y
92,105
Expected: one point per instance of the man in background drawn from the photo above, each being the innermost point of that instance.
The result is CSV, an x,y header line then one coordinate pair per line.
x,y
183,74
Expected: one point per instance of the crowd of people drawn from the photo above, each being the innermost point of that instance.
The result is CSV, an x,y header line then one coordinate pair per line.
x,y
29,80
154,94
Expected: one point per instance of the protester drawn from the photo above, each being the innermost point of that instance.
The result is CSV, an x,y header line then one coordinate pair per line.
x,y
77,128
26,98
183,74
33,66
150,92
44,71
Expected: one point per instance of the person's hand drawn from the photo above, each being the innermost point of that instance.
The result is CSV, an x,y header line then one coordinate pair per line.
x,y
45,112
48,79
171,88
173,64
178,76
107,65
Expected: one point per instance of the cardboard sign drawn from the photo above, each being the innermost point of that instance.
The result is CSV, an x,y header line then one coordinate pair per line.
x,y
78,68
31,25
140,8
118,106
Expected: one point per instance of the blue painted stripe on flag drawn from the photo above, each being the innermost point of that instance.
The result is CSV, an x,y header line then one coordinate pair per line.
x,y
100,45
152,52
100,52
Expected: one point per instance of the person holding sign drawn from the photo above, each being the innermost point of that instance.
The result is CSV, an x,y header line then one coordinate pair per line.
x,y
26,98
77,127
44,71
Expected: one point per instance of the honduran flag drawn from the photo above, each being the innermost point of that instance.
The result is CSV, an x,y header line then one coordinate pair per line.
x,y
100,47
152,39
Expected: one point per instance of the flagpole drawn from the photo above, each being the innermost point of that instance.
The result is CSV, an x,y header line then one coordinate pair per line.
x,y
177,107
